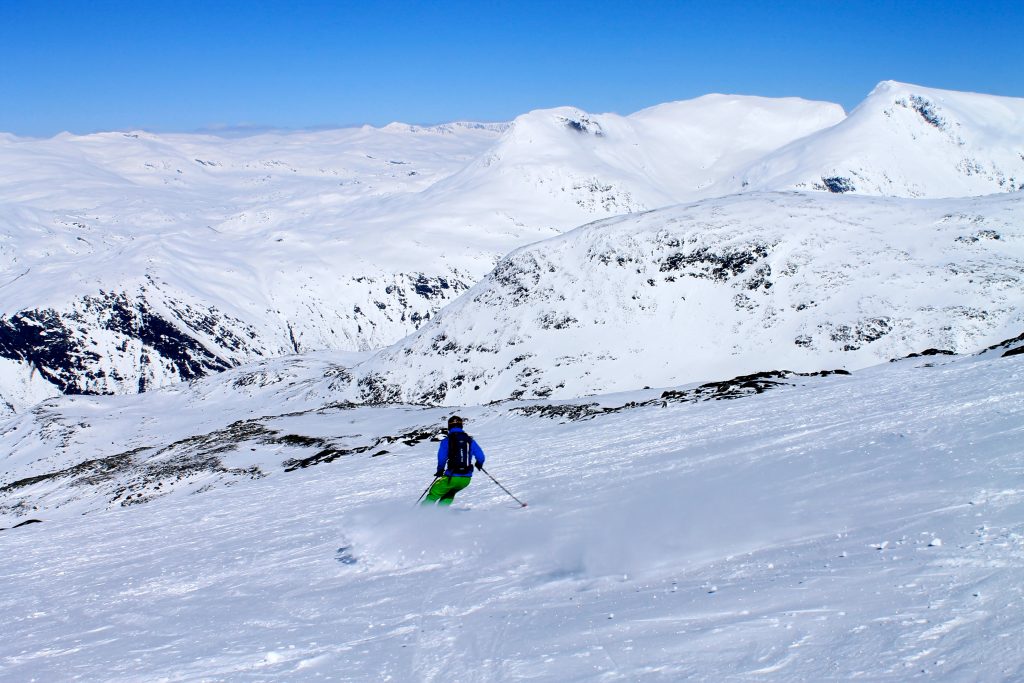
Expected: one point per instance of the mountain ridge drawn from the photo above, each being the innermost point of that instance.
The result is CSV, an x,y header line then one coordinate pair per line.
x,y
354,238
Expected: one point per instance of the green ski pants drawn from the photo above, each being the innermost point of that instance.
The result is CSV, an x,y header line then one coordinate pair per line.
x,y
444,489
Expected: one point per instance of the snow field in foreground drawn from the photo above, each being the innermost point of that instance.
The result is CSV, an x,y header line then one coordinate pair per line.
x,y
864,526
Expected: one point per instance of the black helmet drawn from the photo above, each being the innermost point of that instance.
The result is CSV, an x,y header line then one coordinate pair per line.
x,y
454,421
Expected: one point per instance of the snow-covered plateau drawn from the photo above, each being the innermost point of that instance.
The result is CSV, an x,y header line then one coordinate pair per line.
x,y
755,365
130,261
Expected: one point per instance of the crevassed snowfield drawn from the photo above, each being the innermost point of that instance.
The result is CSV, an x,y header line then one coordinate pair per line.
x,y
864,526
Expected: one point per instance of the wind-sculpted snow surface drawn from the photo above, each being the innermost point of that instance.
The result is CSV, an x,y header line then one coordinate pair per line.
x,y
720,288
862,527
906,141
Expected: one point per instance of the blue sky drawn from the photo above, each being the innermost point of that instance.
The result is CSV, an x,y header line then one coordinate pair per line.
x,y
184,65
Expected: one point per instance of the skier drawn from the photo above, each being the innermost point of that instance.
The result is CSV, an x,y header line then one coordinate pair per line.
x,y
455,458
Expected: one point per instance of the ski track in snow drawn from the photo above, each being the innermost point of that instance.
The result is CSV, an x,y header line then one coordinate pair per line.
x,y
863,527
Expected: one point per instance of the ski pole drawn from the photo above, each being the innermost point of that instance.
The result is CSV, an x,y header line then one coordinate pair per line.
x,y
521,503
425,491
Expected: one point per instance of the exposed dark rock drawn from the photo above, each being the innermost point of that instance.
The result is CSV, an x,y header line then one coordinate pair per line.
x,y
297,440
374,388
137,479
1006,343
926,109
58,344
557,321
91,471
434,395
738,387
926,352
517,275
583,124
430,287
412,438
569,411
980,235
324,456
333,452
836,185
705,263
864,332
25,523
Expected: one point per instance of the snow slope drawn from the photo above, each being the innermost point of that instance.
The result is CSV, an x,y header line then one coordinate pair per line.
x,y
863,526
720,288
904,140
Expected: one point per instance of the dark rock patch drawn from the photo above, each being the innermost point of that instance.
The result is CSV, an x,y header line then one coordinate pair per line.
x,y
926,352
556,321
333,452
324,456
737,387
25,523
1010,345
836,185
569,411
853,337
705,263
926,110
374,388
980,235
58,344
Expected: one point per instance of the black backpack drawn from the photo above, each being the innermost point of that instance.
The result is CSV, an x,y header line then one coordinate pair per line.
x,y
460,460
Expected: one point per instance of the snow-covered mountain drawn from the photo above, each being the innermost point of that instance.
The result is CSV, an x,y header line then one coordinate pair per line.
x,y
906,141
559,168
249,526
135,260
783,504
132,261
718,288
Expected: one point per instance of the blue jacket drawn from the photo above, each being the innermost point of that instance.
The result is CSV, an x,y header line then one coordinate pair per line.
x,y
442,454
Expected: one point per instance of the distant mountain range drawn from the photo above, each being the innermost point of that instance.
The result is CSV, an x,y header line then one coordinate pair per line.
x,y
129,261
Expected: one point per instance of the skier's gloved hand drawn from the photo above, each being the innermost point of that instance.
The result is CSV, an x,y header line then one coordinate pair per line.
x,y
439,473
479,465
